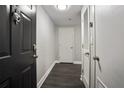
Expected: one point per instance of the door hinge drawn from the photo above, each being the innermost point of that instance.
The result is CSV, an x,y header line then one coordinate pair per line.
x,y
91,24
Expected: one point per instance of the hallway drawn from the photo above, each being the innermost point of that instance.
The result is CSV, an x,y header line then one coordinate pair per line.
x,y
61,46
59,41
64,75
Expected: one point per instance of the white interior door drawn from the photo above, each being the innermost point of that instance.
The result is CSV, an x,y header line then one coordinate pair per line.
x,y
86,46
66,44
109,46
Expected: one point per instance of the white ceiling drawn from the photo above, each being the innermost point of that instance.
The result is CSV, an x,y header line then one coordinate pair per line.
x,y
61,18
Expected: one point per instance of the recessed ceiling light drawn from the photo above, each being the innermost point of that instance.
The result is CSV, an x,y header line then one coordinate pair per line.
x,y
62,7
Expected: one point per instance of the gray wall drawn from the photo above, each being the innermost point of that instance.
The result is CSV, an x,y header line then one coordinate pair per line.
x,y
77,43
57,43
45,42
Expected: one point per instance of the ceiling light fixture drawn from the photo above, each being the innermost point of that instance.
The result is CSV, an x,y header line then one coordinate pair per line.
x,y
62,7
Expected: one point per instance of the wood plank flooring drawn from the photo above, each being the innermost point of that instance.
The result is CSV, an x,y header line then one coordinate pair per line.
x,y
64,76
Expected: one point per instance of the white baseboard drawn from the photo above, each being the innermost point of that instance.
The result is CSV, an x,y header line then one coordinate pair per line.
x,y
39,84
77,62
57,61
85,82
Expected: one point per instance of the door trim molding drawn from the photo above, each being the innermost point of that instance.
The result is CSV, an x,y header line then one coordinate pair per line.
x,y
43,78
83,11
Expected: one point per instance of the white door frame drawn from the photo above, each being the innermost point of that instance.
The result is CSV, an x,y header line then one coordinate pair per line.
x,y
82,22
96,62
94,45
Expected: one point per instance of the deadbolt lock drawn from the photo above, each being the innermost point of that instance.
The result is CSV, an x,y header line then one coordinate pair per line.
x,y
34,51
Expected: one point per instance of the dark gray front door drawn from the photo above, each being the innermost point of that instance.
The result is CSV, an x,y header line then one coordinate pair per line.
x,y
17,37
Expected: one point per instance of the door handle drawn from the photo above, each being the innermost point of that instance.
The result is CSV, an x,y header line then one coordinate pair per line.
x,y
97,59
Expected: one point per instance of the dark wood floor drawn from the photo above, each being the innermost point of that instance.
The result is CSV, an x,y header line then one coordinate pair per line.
x,y
64,76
